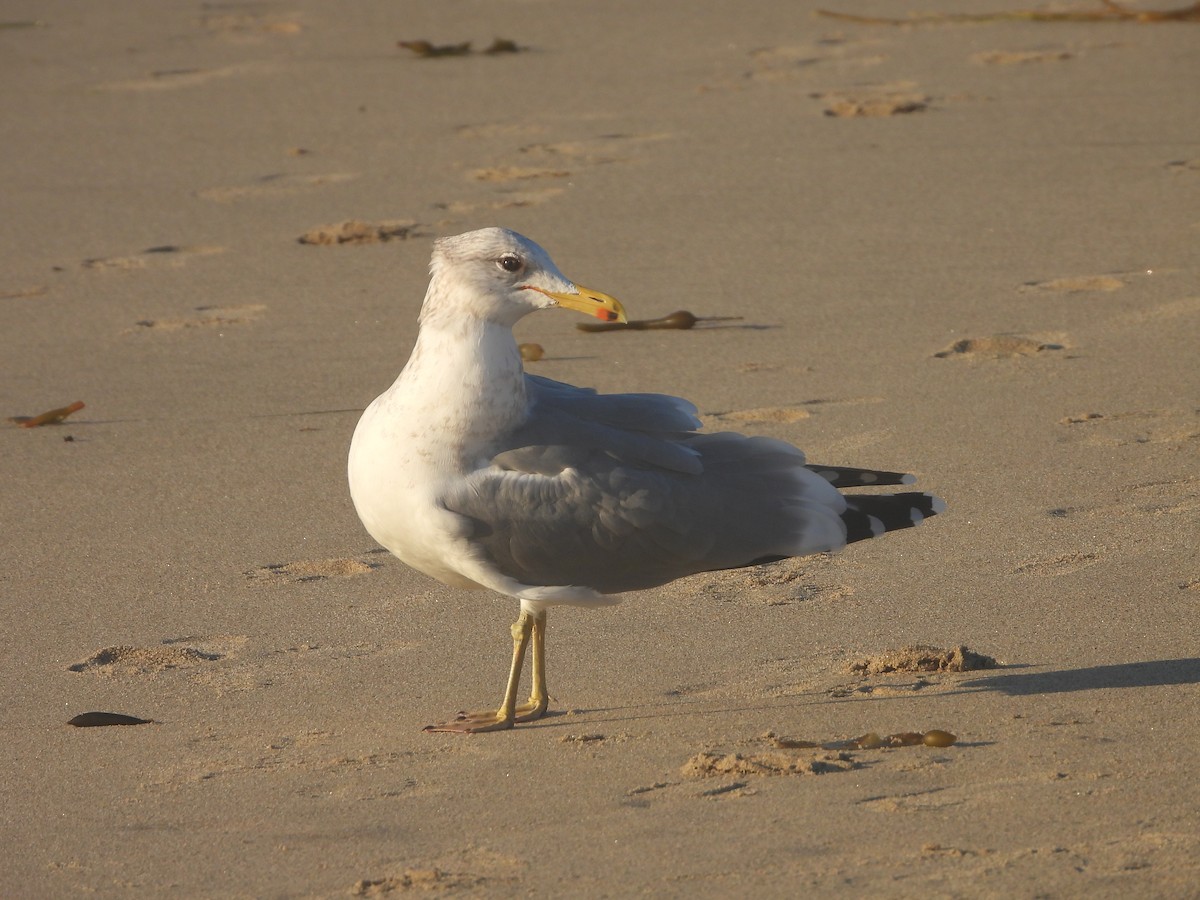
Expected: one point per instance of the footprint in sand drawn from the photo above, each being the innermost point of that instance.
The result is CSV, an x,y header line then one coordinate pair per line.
x,y
794,62
998,346
165,255
771,592
354,231
174,79
577,153
768,763
275,185
920,658
312,570
492,130
873,101
784,572
582,740
554,161
1020,57
749,368
777,414
217,753
1172,309
121,662
927,800
209,317
889,689
1059,563
639,797
473,869
35,290
1152,498
790,62
504,199
249,27
597,151
1179,166
505,174
1075,285
1177,427
414,879
780,583
780,414
1166,497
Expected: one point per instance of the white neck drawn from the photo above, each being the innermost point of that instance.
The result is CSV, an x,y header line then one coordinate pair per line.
x,y
465,383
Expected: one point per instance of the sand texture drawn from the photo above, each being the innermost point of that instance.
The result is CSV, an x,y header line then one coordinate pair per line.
x,y
968,251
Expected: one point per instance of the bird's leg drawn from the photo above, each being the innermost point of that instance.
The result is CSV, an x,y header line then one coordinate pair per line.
x,y
506,716
539,697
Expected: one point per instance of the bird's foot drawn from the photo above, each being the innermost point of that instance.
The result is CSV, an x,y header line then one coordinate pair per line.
x,y
476,722
493,720
531,711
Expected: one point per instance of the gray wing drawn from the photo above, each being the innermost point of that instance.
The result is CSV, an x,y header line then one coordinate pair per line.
x,y
643,427
652,413
617,492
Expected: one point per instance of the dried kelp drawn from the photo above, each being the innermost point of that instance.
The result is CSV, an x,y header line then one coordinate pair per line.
x,y
681,320
428,50
1109,12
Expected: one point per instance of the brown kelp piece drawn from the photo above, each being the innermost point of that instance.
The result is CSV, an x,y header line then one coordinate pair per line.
x,y
427,50
50,417
681,320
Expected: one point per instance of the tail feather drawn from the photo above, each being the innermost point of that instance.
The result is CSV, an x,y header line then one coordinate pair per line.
x,y
871,515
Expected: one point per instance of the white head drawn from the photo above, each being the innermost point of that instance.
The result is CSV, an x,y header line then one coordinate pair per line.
x,y
499,275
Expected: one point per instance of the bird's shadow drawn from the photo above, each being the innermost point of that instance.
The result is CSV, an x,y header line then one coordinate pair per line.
x,y
699,326
1151,673
745,326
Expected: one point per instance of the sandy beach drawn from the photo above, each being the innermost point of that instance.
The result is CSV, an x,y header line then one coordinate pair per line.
x,y
966,250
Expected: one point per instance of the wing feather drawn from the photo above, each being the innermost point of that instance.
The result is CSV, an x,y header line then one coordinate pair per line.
x,y
618,492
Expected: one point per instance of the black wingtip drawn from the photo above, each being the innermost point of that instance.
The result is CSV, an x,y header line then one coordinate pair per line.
x,y
870,516
849,477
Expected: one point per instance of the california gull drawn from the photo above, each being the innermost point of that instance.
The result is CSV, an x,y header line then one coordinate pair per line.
x,y
483,476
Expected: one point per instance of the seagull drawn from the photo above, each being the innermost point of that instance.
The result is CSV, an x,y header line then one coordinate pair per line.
x,y
482,476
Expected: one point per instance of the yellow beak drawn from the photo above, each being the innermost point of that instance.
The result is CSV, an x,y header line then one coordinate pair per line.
x,y
593,303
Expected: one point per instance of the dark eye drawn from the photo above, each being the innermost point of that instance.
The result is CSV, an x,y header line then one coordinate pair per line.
x,y
511,263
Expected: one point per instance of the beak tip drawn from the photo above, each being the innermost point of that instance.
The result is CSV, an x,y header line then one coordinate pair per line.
x,y
585,300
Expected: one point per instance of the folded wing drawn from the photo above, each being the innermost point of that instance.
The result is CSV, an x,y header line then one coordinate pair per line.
x,y
618,492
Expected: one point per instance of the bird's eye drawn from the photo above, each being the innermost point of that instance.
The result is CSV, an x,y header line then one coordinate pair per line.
x,y
511,263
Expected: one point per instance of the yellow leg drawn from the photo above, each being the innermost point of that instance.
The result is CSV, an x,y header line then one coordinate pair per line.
x,y
529,626
539,697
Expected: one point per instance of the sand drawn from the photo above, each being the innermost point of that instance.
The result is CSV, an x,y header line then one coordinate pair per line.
x,y
965,251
